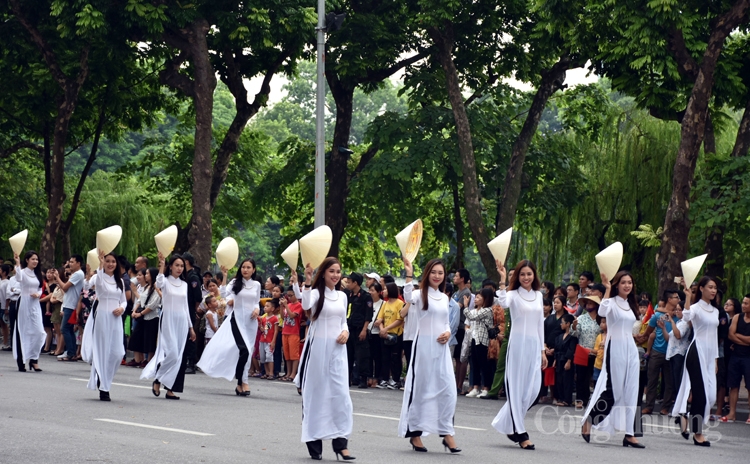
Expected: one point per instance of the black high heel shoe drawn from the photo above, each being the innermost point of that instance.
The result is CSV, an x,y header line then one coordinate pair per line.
x,y
420,449
35,369
529,447
239,392
317,457
172,396
153,388
705,443
683,430
104,396
626,443
345,457
452,450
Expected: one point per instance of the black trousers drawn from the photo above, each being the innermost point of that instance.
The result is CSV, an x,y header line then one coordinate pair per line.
x,y
358,351
484,368
12,316
244,352
190,353
698,404
391,364
315,448
376,354
606,402
565,380
179,381
583,380
407,345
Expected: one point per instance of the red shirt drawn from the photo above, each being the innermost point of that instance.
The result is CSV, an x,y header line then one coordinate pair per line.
x,y
291,324
267,327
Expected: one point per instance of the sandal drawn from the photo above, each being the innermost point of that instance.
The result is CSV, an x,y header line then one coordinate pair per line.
x,y
726,420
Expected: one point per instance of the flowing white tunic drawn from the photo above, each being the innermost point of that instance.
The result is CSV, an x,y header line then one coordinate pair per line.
x,y
323,370
705,319
174,327
625,368
429,401
101,345
29,319
220,357
523,360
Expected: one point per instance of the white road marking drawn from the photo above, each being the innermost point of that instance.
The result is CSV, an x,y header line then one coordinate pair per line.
x,y
118,384
156,427
397,419
291,384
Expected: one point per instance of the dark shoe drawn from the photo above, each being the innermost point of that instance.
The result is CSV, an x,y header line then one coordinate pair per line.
x,y
347,457
488,397
664,412
239,392
35,369
453,450
626,443
22,369
363,384
104,396
587,437
513,437
317,457
153,388
420,449
190,370
705,443
530,447
683,430
171,397
646,411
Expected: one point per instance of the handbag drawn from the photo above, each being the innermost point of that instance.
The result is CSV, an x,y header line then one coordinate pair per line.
x,y
493,332
581,357
73,319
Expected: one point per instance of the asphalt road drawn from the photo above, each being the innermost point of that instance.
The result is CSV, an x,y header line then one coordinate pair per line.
x,y
50,417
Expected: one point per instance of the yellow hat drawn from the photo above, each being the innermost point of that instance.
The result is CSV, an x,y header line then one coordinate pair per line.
x,y
166,239
92,259
107,239
499,245
410,239
227,253
315,246
609,260
692,267
18,241
291,254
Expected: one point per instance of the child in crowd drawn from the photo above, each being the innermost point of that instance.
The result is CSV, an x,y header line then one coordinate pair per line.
x,y
291,311
599,349
212,317
269,327
565,350
547,305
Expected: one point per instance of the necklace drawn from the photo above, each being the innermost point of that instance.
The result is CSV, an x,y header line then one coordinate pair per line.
x,y
706,304
170,282
526,299
332,299
113,283
618,305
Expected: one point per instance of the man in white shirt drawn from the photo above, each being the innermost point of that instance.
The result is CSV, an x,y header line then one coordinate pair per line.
x,y
12,294
4,272
72,289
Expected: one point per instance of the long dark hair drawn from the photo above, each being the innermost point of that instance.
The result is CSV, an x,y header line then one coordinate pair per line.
x,y
320,284
515,284
37,269
153,272
238,280
631,295
698,295
116,273
426,281
488,297
168,270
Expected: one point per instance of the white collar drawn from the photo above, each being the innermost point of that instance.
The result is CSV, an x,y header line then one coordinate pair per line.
x,y
521,289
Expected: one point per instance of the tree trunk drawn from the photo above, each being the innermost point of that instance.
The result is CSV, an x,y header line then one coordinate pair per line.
x,y
459,226
337,171
552,80
675,246
444,48
714,245
193,46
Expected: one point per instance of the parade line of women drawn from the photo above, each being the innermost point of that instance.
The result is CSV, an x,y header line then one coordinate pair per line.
x,y
429,399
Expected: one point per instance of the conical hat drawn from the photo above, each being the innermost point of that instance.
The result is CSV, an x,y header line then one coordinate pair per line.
x,y
166,239
410,239
315,246
18,241
92,259
227,253
107,239
291,254
500,244
692,267
609,260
